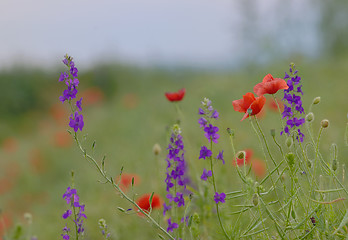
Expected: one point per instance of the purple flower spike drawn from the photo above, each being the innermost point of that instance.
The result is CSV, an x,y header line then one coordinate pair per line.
x,y
202,122
219,197
76,122
206,174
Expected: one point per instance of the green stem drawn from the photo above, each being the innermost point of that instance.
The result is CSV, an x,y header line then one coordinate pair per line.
x,y
110,180
214,184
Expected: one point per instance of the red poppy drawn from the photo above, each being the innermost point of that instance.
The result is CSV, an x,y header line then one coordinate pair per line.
x,y
126,180
249,102
259,167
176,96
270,85
5,223
240,161
144,202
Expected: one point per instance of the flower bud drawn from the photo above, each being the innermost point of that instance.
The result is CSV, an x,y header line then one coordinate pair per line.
x,y
310,117
309,163
291,159
293,214
316,100
334,164
240,154
156,149
324,123
230,132
289,142
196,218
249,111
255,199
273,132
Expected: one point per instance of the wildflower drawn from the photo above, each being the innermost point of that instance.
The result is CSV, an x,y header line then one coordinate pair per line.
x,y
166,208
76,121
211,133
220,156
204,153
270,85
219,197
294,107
249,102
202,122
259,167
176,96
78,105
179,199
171,225
126,180
68,94
65,233
144,202
206,174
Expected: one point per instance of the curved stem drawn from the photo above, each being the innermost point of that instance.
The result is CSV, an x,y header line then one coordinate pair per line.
x,y
110,180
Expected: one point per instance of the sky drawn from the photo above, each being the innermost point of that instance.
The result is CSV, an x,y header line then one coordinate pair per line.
x,y
152,32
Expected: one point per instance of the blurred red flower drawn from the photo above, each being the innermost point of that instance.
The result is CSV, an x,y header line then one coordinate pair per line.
x,y
270,85
273,105
126,180
5,223
176,96
259,167
240,161
144,202
249,102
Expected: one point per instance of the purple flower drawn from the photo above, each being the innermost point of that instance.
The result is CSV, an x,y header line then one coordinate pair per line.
x,y
215,114
211,133
206,174
78,104
204,153
286,76
166,208
63,76
201,111
171,226
68,194
73,71
202,122
67,214
220,156
219,197
68,94
179,199
76,122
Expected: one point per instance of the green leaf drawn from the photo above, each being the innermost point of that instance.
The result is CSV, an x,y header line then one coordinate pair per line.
x,y
343,222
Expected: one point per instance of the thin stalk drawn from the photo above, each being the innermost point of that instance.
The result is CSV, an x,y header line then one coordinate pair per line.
x,y
214,184
110,180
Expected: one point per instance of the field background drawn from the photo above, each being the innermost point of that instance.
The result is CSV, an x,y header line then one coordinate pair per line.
x,y
126,113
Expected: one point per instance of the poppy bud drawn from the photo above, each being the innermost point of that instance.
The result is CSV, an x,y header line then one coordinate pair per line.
x,y
310,117
289,142
316,100
334,164
255,199
291,159
273,132
230,132
156,149
249,111
241,154
324,123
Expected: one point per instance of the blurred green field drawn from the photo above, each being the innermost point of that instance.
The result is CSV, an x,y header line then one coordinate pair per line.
x,y
127,115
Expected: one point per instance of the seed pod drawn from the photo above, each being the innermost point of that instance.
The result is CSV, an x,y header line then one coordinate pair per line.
x,y
310,117
316,100
156,149
289,142
324,123
255,199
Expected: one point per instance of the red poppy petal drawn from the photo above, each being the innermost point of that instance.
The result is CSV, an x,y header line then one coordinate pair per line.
x,y
268,78
257,105
259,89
238,105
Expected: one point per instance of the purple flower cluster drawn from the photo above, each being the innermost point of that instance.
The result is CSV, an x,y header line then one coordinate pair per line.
x,y
219,197
207,111
176,174
73,200
293,107
70,79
